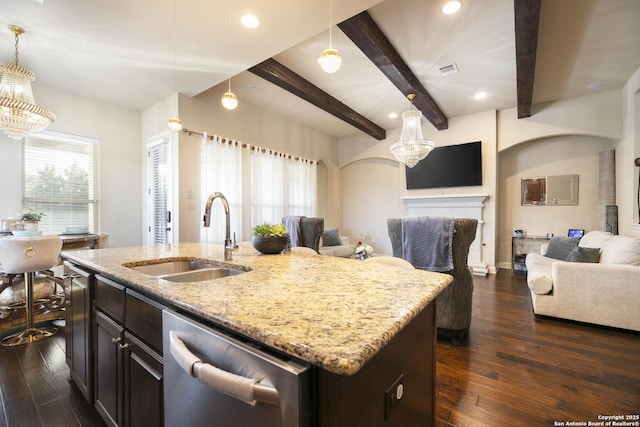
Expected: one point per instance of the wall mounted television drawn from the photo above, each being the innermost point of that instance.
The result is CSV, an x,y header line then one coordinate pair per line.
x,y
448,166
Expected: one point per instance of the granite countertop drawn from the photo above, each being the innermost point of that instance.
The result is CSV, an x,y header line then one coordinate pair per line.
x,y
335,313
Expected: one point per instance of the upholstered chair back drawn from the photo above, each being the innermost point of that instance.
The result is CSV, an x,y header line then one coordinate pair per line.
x,y
455,302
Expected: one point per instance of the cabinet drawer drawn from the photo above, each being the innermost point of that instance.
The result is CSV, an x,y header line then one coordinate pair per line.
x,y
144,319
110,298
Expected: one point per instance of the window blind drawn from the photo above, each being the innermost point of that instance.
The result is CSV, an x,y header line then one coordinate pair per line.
x,y
60,179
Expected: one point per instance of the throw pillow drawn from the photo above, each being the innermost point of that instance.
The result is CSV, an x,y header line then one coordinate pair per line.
x,y
595,239
580,254
331,238
621,250
559,247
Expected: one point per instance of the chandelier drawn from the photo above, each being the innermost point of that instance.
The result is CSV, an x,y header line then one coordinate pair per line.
x,y
19,114
412,147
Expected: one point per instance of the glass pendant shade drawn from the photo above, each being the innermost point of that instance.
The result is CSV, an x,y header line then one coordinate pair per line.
x,y
175,124
19,114
412,146
229,101
330,60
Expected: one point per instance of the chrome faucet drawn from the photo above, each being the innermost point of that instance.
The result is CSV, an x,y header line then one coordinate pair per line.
x,y
229,246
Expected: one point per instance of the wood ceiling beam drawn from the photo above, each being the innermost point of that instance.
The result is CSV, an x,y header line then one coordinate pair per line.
x,y
276,73
527,21
366,34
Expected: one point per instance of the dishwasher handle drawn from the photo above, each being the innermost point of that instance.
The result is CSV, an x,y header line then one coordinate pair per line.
x,y
238,387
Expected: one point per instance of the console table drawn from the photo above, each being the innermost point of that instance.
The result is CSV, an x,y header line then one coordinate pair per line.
x,y
521,246
78,241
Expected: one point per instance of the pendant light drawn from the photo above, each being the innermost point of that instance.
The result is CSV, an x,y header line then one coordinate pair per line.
x,y
330,60
19,114
174,123
412,146
229,99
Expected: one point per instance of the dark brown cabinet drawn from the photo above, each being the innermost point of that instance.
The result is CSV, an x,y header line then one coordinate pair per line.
x,y
128,356
79,326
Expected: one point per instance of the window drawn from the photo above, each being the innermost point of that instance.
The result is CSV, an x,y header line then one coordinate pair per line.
x,y
60,179
278,185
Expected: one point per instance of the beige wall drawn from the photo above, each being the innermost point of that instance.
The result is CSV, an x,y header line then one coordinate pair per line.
x,y
561,155
250,124
628,149
118,131
374,183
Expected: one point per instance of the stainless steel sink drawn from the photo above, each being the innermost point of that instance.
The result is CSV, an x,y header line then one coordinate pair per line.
x,y
170,267
200,275
184,271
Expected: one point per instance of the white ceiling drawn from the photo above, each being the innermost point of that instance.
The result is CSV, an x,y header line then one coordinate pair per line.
x,y
122,51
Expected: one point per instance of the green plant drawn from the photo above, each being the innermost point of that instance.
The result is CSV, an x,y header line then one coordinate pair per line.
x,y
31,216
266,230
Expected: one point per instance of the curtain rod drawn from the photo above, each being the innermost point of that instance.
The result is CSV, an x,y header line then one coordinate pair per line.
x,y
252,147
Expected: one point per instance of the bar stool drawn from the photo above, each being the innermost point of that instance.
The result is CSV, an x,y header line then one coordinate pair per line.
x,y
26,255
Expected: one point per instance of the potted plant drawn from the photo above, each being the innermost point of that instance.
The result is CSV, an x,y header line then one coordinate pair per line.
x,y
270,239
30,219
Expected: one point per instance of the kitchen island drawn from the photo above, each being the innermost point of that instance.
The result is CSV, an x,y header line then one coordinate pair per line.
x,y
349,319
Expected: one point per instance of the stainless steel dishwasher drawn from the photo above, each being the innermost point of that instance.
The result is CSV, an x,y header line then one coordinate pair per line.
x,y
214,379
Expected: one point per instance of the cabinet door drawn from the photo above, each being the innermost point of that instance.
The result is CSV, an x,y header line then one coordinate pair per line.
x,y
79,342
108,371
143,384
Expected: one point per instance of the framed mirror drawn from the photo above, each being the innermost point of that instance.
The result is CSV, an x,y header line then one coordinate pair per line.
x,y
558,190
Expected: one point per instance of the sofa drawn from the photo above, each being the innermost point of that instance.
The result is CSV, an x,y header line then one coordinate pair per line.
x,y
333,244
594,279
454,303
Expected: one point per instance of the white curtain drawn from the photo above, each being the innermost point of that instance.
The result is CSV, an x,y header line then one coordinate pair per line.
x,y
303,175
221,171
268,172
281,185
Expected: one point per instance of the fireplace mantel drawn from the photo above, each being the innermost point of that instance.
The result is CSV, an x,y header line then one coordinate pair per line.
x,y
457,206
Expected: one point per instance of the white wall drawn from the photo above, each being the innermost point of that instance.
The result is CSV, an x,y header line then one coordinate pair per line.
x,y
118,131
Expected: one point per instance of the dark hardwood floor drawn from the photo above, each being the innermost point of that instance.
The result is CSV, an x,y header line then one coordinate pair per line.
x,y
34,390
515,370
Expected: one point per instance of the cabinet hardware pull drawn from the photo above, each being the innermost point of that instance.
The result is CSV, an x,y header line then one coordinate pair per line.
x,y
116,340
123,346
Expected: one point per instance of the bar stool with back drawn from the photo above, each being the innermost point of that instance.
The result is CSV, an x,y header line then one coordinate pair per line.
x,y
26,255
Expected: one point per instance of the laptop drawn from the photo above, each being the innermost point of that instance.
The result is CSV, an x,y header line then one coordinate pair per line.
x,y
575,232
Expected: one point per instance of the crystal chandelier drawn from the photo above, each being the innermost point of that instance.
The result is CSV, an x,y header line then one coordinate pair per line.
x,y
19,114
330,60
412,146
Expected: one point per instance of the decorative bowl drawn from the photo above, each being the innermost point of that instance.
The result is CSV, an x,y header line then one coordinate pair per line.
x,y
270,245
76,230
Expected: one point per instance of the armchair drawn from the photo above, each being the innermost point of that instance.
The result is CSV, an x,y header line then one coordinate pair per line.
x,y
454,304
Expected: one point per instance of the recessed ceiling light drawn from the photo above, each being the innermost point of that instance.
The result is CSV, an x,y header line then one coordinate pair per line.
x,y
480,95
596,85
451,7
252,87
393,115
250,21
